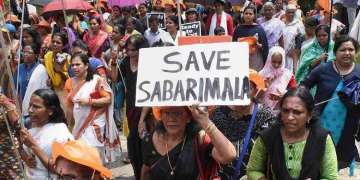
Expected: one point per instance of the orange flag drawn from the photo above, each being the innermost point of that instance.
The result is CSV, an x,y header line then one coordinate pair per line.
x,y
325,4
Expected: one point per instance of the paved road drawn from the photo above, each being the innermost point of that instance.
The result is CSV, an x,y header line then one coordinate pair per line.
x,y
120,170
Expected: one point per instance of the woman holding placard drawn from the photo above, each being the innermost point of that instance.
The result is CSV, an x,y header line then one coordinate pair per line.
x,y
251,32
178,149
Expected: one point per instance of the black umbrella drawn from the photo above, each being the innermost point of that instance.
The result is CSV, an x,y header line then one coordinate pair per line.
x,y
39,3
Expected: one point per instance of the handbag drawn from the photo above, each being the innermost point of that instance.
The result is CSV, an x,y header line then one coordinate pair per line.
x,y
209,172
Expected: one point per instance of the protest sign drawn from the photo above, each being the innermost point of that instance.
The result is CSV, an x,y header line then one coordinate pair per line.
x,y
208,74
161,19
192,29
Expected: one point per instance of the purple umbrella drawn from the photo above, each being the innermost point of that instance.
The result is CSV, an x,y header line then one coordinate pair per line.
x,y
123,3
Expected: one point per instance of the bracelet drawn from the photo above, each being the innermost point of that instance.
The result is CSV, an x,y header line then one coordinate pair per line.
x,y
208,126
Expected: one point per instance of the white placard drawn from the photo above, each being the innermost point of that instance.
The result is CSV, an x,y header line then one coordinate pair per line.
x,y
204,74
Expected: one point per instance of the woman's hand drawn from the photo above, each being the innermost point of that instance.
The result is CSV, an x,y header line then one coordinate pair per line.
x,y
30,161
83,101
27,138
200,115
323,57
4,101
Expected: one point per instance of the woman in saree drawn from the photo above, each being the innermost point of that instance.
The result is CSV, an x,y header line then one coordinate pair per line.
x,y
48,125
273,26
277,78
97,40
319,51
249,28
56,62
178,149
90,105
337,114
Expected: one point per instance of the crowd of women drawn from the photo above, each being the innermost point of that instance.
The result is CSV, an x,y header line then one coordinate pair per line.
x,y
75,85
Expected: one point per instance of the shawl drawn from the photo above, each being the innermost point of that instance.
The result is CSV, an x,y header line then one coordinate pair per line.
x,y
273,29
55,77
223,23
93,125
95,42
312,52
281,77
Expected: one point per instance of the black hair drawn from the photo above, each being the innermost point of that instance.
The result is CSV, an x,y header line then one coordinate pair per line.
x,y
63,37
311,22
84,59
174,19
35,48
34,34
121,28
160,43
51,101
324,27
82,45
253,8
118,7
219,30
138,41
304,94
97,18
153,18
344,38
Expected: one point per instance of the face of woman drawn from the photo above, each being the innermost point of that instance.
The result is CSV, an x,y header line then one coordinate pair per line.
x,y
115,34
94,25
27,39
294,114
175,119
131,51
78,67
39,114
170,25
57,44
268,12
322,37
276,60
249,16
29,55
345,54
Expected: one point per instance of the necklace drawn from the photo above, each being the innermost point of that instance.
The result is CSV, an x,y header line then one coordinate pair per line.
x,y
168,158
342,74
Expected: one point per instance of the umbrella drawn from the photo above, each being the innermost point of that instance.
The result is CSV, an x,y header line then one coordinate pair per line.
x,y
123,3
39,3
55,7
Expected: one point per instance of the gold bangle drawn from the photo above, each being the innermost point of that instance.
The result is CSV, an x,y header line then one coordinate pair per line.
x,y
212,129
208,126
